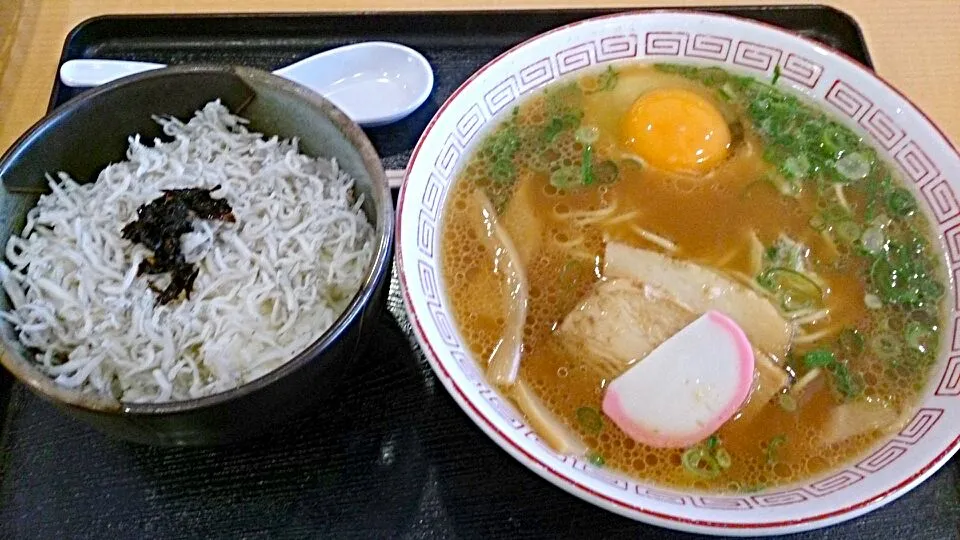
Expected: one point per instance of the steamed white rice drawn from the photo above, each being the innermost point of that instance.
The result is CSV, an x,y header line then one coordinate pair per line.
x,y
268,285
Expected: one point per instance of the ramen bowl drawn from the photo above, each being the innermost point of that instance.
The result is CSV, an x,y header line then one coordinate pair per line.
x,y
901,134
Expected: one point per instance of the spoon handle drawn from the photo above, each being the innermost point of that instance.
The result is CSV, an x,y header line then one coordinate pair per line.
x,y
87,72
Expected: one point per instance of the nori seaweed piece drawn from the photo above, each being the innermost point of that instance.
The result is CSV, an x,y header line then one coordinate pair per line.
x,y
158,227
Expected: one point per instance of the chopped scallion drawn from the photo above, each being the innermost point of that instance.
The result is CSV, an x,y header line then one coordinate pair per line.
x,y
723,458
776,74
796,167
565,177
900,202
819,359
707,459
872,239
773,448
848,231
596,459
853,166
918,336
787,402
795,290
501,147
696,461
590,420
712,442
586,166
558,124
848,384
606,80
586,134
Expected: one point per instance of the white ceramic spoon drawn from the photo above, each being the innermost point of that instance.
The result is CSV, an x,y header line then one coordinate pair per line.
x,y
374,83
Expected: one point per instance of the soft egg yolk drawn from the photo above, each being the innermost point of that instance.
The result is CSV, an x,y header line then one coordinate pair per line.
x,y
676,131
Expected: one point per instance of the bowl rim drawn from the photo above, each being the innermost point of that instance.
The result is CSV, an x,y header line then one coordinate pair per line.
x,y
578,489
24,371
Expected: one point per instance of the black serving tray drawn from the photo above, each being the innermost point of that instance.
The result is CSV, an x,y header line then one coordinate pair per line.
x,y
391,455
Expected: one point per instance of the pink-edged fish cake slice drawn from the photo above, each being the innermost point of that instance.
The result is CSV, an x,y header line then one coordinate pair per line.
x,y
685,389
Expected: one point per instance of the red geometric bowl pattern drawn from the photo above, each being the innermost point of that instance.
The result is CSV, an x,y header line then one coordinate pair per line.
x,y
809,70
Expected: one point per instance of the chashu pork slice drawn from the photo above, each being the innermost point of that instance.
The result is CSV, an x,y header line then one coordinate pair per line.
x,y
620,322
701,289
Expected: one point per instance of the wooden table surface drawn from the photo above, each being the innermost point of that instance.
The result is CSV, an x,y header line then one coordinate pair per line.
x,y
915,43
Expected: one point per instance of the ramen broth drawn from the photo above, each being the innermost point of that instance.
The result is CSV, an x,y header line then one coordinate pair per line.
x,y
768,199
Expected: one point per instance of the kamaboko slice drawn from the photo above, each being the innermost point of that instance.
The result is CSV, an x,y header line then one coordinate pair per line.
x,y
687,387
